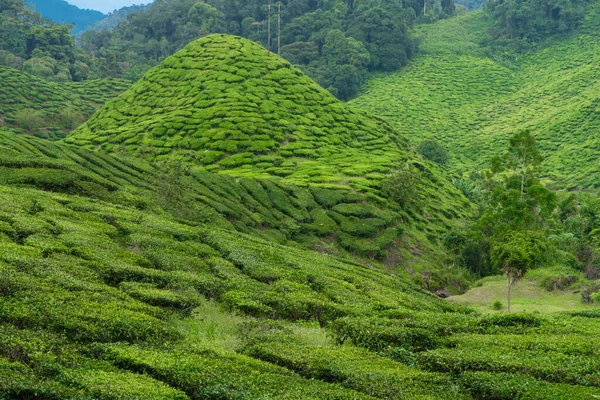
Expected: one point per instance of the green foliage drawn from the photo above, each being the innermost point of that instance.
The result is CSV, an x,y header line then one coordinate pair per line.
x,y
38,45
509,386
354,368
433,151
518,251
122,278
209,374
534,20
469,189
247,115
343,66
472,96
448,7
401,185
207,17
79,271
242,123
105,294
335,43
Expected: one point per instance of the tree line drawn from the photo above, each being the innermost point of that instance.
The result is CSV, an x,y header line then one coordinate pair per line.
x,y
39,46
336,42
522,224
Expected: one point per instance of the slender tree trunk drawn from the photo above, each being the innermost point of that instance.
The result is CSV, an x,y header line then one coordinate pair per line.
x,y
269,31
278,30
509,286
523,175
424,7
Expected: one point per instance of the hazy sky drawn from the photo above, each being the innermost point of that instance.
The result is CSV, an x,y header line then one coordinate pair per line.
x,y
106,6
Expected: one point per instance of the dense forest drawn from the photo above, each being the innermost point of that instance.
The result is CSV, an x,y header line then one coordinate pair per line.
x,y
39,46
337,43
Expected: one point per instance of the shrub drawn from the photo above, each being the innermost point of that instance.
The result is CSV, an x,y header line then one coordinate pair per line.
x,y
402,185
114,385
70,118
18,381
212,375
29,120
434,151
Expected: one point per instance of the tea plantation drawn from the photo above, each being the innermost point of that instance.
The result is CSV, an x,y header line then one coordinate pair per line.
x,y
227,229
335,220
471,96
223,105
293,162
106,295
48,109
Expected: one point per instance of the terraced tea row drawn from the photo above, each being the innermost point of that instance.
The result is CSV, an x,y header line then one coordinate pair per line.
x,y
471,102
48,109
336,221
223,104
106,300
79,274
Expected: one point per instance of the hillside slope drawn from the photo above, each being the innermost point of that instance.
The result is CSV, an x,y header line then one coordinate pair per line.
x,y
221,102
455,92
223,105
330,220
106,295
48,109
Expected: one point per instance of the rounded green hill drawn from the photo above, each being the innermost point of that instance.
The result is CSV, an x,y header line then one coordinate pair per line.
x,y
224,103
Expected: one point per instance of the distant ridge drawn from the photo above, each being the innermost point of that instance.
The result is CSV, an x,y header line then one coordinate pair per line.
x,y
64,13
111,20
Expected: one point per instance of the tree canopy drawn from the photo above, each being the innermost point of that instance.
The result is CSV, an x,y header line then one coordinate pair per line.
x,y
335,42
39,46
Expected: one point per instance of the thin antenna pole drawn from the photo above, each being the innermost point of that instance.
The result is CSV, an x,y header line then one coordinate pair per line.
x,y
269,31
278,30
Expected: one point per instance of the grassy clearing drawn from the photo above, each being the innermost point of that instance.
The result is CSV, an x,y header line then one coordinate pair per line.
x,y
526,296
